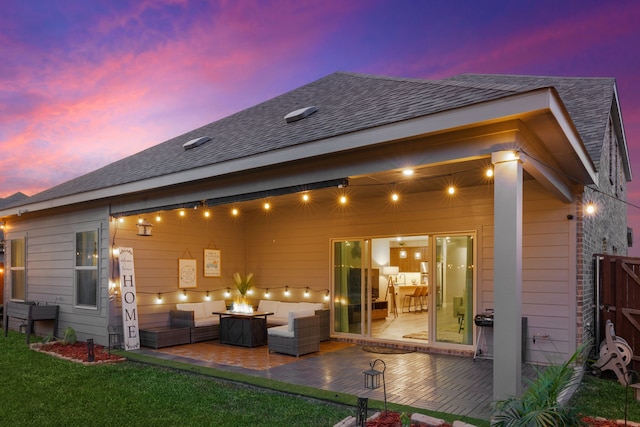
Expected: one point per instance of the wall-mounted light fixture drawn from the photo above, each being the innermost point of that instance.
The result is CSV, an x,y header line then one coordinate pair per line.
x,y
144,227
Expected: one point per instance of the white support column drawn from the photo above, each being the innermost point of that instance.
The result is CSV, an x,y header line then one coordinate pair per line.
x,y
507,286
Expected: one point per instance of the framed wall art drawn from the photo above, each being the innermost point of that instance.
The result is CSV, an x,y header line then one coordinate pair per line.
x,y
211,263
187,273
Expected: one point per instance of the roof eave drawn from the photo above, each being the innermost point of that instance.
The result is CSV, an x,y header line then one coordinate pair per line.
x,y
506,108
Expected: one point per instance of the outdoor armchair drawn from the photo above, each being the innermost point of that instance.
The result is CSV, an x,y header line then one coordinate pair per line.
x,y
300,336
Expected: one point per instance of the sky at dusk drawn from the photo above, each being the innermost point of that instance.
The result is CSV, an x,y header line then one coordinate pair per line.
x,y
85,83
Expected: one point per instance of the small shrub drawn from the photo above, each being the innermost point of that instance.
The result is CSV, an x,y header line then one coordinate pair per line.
x,y
69,336
538,406
48,338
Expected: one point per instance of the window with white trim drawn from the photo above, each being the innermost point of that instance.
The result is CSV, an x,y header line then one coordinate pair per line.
x,y
86,269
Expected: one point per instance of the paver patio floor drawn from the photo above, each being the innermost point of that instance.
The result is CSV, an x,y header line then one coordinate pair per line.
x,y
453,384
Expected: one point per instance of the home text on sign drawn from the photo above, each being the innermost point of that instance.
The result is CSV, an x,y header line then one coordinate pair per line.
x,y
129,304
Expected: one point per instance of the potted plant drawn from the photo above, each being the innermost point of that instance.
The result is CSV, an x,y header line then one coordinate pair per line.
x,y
243,285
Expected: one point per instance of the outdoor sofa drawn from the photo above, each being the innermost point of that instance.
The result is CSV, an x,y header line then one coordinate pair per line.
x,y
198,316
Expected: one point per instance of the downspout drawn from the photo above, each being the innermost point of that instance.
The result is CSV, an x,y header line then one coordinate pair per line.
x,y
597,260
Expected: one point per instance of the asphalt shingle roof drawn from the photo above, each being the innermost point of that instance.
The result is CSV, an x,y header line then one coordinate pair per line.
x,y
346,102
14,199
588,100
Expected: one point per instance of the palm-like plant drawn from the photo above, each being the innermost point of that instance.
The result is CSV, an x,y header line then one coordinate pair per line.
x,y
243,285
538,406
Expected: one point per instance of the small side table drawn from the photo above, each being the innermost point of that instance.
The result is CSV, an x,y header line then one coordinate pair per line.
x,y
164,336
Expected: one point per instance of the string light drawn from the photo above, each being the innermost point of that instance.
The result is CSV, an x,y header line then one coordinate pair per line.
x,y
227,293
306,292
267,294
159,298
451,190
184,295
207,297
286,291
326,296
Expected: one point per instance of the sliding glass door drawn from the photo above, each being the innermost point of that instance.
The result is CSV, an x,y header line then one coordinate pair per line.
x,y
454,278
350,293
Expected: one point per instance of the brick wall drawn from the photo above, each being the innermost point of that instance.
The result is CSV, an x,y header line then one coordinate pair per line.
x,y
603,232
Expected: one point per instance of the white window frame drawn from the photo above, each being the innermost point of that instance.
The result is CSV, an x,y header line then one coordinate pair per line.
x,y
13,268
81,268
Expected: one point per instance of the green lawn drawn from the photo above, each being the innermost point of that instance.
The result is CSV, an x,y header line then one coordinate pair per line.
x,y
605,397
39,390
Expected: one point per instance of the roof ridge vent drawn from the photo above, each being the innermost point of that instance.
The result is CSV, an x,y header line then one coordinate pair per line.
x,y
300,114
195,142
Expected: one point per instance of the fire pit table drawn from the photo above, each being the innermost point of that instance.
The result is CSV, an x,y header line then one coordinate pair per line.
x,y
243,329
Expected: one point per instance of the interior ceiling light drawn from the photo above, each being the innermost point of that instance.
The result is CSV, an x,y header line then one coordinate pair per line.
x,y
407,172
195,142
489,172
300,114
451,190
395,197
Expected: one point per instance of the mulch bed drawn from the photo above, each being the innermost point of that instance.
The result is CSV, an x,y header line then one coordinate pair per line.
x,y
392,419
77,352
